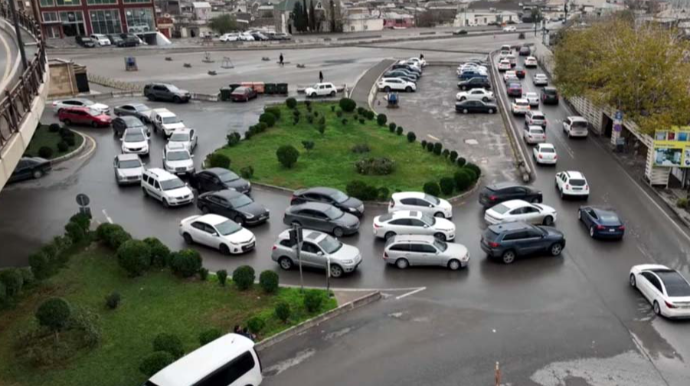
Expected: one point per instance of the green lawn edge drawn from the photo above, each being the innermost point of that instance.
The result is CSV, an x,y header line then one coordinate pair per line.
x,y
43,137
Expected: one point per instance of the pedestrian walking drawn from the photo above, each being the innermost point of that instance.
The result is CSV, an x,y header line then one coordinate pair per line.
x,y
320,77
281,59
421,56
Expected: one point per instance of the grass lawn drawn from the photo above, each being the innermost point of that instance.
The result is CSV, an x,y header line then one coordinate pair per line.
x,y
331,162
154,303
43,137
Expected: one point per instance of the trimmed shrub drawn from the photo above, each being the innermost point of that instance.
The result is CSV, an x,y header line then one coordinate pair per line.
x,y
344,121
222,277
399,130
453,156
380,166
104,230
339,113
332,108
361,190
384,193
291,103
247,172
28,277
256,324
461,162
423,143
13,281
62,146
361,120
160,253
321,128
360,148
432,188
313,299
474,167
75,232
41,265
117,238
682,203
445,153
169,343
203,274
82,220
361,111
185,263
134,256
381,119
462,180
233,138
64,132
273,111
45,152
243,277
3,293
392,126
209,336
70,141
268,118
347,104
268,280
54,127
113,300
370,115
308,104
282,311
438,148
447,185
287,155
54,314
217,160
155,362
430,147
471,173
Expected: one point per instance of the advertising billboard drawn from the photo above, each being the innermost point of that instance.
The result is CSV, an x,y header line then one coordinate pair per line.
x,y
672,148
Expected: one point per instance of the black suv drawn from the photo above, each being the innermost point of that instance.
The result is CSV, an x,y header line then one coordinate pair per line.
x,y
549,95
504,191
121,124
166,92
478,82
516,239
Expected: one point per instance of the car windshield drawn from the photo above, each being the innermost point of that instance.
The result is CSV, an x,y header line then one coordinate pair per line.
x,y
339,197
532,95
136,136
538,117
577,182
130,164
240,201
547,150
178,156
440,245
170,120
140,107
675,285
173,88
228,177
333,213
429,219
385,217
500,209
175,183
330,245
179,137
228,227
432,199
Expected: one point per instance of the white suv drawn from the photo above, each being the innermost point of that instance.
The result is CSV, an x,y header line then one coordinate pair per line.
x,y
396,84
321,89
520,106
422,202
572,183
166,188
177,159
575,127
166,121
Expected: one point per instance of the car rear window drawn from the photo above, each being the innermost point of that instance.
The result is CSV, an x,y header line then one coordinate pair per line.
x,y
536,131
546,150
550,91
579,125
674,283
490,235
500,209
577,182
538,117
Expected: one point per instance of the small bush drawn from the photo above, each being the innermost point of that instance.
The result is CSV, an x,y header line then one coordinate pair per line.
x,y
313,300
28,277
75,232
355,117
70,141
332,108
474,167
160,253
134,256
430,147
362,191
381,119
209,336
3,293
361,111
296,113
113,300
308,104
361,120
380,166
155,362
243,277
41,265
203,274
274,111
432,188
423,144
256,324
54,314
168,343
247,136
222,277
461,162
282,311
13,281
371,115
185,263
45,152
682,203
268,118
287,155
471,173
64,132
247,172
54,127
217,160
399,130
62,146
384,193
392,126
310,118
104,230
344,121
360,148
447,185
321,128
117,238
291,103
233,138
462,180
268,280
339,113
438,148
347,105
453,156
445,153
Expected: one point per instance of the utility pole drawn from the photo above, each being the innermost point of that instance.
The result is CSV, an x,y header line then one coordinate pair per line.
x,y
18,32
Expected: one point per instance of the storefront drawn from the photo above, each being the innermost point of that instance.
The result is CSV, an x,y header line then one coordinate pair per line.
x,y
106,21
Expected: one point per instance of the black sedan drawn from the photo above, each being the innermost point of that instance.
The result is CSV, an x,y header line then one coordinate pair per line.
x,y
329,196
233,205
30,167
460,32
505,191
473,83
214,179
322,217
602,223
468,106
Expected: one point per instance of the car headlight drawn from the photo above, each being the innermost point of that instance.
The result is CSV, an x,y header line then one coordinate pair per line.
x,y
247,215
348,261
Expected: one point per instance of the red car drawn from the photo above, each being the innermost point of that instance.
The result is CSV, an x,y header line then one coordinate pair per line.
x,y
83,116
520,72
515,90
241,94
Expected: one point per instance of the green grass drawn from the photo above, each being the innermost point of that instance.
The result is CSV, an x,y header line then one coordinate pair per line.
x,y
157,302
331,163
43,137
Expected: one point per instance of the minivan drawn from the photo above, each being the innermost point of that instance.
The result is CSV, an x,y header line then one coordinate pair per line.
x,y
227,361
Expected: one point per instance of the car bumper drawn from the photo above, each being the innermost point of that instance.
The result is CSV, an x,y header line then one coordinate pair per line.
x,y
144,151
676,313
490,220
541,83
579,134
576,193
608,234
534,140
257,220
129,180
550,101
242,248
490,252
514,94
350,231
181,202
546,161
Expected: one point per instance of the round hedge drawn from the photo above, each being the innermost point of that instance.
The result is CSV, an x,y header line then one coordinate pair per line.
x,y
185,263
168,343
54,313
155,362
283,311
287,155
243,277
447,185
209,336
268,280
432,188
134,256
160,253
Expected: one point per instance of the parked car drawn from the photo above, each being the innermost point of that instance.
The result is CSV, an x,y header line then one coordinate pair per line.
x,y
413,250
279,36
665,288
408,67
323,217
460,32
475,94
166,188
178,160
329,196
466,107
535,118
531,62
400,75
512,59
138,110
413,223
241,94
396,84
214,179
572,183
549,95
540,80
421,63
86,42
532,98
525,51
30,167
321,89
100,39
534,134
520,106
186,137
545,153
497,193
233,205
229,37
422,202
509,29
128,169
115,40
519,210
575,127
469,74
79,102
319,250
166,92
514,90
135,141
130,40
517,239
246,37
217,232
476,82
83,116
601,223
506,48
165,121
258,36
121,124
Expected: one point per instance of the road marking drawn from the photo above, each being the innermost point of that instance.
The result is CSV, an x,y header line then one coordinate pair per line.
x,y
110,220
410,293
93,141
432,137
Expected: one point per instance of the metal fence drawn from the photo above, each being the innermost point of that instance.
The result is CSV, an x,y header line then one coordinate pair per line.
x,y
16,100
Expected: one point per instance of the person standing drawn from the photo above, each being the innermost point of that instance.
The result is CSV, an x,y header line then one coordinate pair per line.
x,y
281,59
320,77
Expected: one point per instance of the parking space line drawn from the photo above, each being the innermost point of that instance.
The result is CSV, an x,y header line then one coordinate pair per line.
x,y
110,220
410,293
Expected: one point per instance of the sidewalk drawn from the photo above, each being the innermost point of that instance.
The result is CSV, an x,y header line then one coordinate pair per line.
x,y
360,93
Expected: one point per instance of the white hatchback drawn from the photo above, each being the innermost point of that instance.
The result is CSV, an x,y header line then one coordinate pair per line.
x,y
321,89
395,84
545,154
532,98
217,232
572,183
178,160
413,223
135,141
504,65
422,202
519,210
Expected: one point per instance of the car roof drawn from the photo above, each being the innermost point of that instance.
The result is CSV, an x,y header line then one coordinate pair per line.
x,y
576,118
218,171
162,175
406,214
410,238
212,219
514,84
185,130
225,193
510,226
512,204
129,119
549,88
521,100
163,112
321,207
127,157
319,190
175,146
134,129
401,195
503,185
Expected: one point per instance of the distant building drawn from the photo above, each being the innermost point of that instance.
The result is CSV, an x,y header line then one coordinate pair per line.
x,y
362,22
201,10
470,17
397,20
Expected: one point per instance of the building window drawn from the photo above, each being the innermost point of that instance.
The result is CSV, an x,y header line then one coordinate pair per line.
x,y
136,1
140,20
105,21
47,3
50,17
73,23
99,2
67,3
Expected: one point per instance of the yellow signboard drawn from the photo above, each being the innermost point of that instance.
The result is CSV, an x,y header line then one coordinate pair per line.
x,y
672,148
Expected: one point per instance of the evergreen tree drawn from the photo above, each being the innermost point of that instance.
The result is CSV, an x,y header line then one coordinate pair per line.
x,y
312,16
306,13
299,17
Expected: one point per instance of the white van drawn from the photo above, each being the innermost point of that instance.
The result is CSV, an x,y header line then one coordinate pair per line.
x,y
227,361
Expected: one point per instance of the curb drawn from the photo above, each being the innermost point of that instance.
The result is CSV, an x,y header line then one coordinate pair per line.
x,y
71,154
313,322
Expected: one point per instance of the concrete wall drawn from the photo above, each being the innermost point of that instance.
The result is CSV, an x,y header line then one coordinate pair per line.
x,y
62,80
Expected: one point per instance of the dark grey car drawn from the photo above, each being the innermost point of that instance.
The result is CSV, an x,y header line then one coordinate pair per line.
x,y
166,92
213,179
511,240
322,217
329,196
138,110
121,124
233,205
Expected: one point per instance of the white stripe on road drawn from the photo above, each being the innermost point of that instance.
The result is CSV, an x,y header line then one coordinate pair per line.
x,y
110,220
93,148
432,137
410,293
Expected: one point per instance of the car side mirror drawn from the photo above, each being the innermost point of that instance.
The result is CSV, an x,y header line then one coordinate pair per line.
x,y
431,206
319,253
214,234
192,155
426,225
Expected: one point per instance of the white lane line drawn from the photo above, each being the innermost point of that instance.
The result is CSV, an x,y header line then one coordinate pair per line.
x,y
410,293
93,148
432,137
8,63
110,220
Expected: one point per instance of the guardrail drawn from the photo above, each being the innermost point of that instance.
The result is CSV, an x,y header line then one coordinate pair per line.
x,y
16,101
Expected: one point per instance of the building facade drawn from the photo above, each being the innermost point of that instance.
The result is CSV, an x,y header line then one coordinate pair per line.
x,y
70,18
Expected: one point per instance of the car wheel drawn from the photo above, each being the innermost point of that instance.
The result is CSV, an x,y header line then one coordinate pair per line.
x,y
535,200
462,99
463,88
464,111
150,97
338,232
389,235
165,203
37,174
332,94
508,257
204,209
285,263
336,271
485,99
548,221
239,219
556,249
562,194
439,214
656,308
177,99
143,190
591,232
224,249
312,95
408,89
633,282
402,263
491,111
67,122
387,89
94,124
440,236
454,265
187,238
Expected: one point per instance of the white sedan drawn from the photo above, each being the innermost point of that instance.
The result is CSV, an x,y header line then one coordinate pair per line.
x,y
545,153
532,98
509,29
531,62
540,80
229,37
510,74
80,102
504,65
420,62
520,106
519,210
217,232
413,222
534,134
477,94
665,289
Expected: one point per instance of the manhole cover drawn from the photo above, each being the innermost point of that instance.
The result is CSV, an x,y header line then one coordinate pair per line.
x,y
471,142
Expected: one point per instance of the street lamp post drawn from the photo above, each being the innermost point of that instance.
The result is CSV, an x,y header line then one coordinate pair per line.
x,y
17,31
